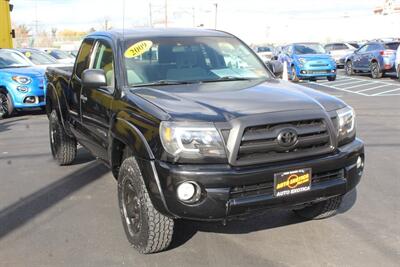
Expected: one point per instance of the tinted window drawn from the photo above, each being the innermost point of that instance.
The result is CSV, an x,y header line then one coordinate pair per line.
x,y
328,47
392,46
82,61
12,60
363,49
301,49
104,60
354,45
39,58
340,47
263,49
374,47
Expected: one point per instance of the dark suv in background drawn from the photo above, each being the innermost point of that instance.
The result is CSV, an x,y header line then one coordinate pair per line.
x,y
376,58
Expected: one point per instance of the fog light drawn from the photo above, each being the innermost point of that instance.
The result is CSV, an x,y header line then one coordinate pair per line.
x,y
333,71
303,71
30,100
360,163
188,192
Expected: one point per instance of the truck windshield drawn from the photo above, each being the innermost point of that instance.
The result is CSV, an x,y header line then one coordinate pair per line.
x,y
300,49
190,59
12,60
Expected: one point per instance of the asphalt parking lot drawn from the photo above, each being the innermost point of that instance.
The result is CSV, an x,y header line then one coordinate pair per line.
x,y
68,216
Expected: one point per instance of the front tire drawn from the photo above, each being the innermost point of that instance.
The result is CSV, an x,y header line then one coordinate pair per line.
x,y
6,105
320,210
147,230
376,73
331,78
63,147
294,75
349,68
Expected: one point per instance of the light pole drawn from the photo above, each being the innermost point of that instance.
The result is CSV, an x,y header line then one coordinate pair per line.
x,y
216,15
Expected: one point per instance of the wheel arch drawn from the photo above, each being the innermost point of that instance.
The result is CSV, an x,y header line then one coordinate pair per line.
x,y
127,140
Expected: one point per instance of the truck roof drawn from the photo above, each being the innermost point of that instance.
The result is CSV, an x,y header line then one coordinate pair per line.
x,y
159,32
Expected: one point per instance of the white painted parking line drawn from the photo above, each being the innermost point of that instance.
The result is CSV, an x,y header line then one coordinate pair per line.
x,y
373,88
364,87
359,85
353,82
381,93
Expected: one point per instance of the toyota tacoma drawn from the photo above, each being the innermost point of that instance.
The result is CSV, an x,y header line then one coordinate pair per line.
x,y
195,126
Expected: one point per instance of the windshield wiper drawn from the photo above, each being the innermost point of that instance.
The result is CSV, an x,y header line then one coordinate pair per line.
x,y
229,78
164,82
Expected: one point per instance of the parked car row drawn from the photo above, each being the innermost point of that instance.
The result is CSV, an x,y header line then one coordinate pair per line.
x,y
312,61
22,77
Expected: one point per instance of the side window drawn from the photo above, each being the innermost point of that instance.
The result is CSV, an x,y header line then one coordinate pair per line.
x,y
289,49
82,60
328,47
340,47
363,48
103,59
373,47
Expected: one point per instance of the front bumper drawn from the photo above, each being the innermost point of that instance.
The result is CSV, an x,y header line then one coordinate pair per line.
x,y
219,182
34,97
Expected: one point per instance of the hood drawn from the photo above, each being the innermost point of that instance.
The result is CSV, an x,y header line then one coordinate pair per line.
x,y
224,101
28,71
314,56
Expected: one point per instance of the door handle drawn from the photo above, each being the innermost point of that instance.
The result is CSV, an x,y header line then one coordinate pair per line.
x,y
83,98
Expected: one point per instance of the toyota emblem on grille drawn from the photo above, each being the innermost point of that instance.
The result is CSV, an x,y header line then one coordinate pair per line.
x,y
287,137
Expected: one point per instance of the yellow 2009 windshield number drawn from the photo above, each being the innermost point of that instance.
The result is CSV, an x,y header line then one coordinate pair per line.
x,y
138,48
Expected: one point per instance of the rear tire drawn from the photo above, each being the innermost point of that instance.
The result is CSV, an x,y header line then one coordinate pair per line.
x,y
348,68
331,78
320,210
147,230
6,105
376,73
63,147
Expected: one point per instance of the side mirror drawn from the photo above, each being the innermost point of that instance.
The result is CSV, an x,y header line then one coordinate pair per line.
x,y
93,78
276,67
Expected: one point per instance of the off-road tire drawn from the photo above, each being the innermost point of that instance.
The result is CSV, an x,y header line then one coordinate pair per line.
x,y
320,210
376,73
331,78
147,230
348,68
6,105
63,147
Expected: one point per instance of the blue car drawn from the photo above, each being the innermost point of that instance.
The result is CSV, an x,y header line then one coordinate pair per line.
x,y
376,58
308,61
21,85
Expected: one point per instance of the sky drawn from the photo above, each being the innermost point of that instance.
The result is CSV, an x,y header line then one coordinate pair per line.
x,y
255,21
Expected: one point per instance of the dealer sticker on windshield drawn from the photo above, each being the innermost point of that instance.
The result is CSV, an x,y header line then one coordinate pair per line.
x,y
138,48
292,182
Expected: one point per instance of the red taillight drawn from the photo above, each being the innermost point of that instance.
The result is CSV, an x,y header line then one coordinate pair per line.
x,y
386,52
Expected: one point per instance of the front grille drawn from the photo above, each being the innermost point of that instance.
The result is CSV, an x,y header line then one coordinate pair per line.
x,y
319,65
262,141
318,71
267,188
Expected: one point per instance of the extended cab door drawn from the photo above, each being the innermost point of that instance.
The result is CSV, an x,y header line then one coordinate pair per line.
x,y
96,103
74,95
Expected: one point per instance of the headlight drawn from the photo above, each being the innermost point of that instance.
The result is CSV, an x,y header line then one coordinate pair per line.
x,y
346,125
302,60
191,140
22,79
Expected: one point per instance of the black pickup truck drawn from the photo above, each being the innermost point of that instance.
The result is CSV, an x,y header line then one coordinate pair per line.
x,y
195,126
